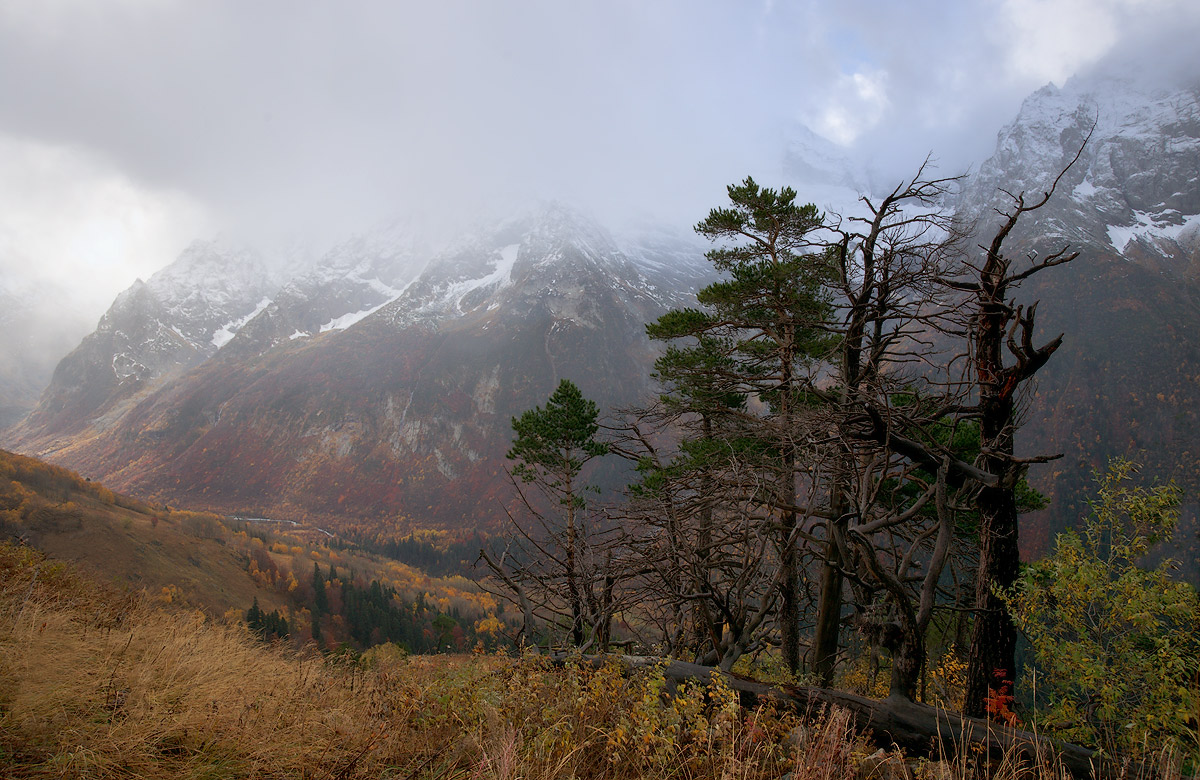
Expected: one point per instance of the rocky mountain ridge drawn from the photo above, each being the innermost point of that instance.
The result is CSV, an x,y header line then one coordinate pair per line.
x,y
1126,381
1136,180
343,396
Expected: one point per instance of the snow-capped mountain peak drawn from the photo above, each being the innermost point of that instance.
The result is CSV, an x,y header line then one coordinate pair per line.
x,y
546,259
1136,179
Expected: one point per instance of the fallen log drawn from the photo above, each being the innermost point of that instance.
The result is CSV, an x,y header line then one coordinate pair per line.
x,y
919,729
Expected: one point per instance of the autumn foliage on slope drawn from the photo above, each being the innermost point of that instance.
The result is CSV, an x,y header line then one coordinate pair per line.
x,y
226,566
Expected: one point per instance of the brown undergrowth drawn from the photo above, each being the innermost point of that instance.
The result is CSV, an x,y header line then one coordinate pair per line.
x,y
99,684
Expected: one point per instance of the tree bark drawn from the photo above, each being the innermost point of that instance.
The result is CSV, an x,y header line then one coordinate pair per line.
x,y
990,664
908,659
829,610
573,573
789,602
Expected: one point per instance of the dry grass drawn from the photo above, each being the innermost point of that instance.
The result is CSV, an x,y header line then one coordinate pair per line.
x,y
95,689
122,540
95,684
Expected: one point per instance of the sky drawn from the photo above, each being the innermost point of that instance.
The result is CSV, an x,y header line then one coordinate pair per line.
x,y
129,128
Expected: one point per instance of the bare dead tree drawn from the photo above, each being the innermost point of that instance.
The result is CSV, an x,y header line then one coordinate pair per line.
x,y
1003,358
901,552
888,304
530,569
880,271
853,455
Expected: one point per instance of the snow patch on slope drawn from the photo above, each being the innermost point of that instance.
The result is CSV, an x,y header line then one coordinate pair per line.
x,y
346,320
1149,226
1085,189
226,332
499,278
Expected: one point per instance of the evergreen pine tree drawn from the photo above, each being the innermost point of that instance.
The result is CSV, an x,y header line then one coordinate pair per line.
x,y
254,616
551,447
761,327
320,598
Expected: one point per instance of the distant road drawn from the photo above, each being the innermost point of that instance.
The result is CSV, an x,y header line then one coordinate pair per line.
x,y
292,523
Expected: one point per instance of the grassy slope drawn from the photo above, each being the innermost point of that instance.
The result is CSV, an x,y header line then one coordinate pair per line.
x,y
101,676
123,541
99,683
96,684
197,559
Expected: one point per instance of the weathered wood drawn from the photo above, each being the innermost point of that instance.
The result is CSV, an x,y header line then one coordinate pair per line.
x,y
919,729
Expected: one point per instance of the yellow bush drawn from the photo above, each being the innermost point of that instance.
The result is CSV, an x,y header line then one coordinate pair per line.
x,y
946,681
860,677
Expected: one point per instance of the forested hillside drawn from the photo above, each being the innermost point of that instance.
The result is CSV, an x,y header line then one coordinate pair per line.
x,y
292,585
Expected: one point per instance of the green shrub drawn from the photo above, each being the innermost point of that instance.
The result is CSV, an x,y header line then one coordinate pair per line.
x,y
1115,645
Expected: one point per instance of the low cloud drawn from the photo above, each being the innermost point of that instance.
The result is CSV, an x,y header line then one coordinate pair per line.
x,y
82,226
171,119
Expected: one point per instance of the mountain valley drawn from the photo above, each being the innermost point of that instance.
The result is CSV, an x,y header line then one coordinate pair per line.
x,y
372,389
358,403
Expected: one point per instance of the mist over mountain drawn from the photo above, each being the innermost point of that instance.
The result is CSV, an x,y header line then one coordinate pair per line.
x,y
374,385
331,420
353,392
40,324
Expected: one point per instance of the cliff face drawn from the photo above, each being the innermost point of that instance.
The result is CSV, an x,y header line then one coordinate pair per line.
x,y
1127,378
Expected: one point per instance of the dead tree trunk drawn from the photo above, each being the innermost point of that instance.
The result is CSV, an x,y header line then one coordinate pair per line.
x,y
918,729
1003,358
999,324
829,605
